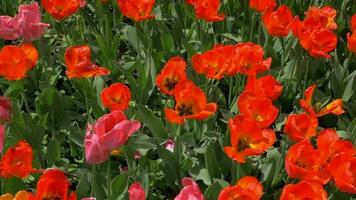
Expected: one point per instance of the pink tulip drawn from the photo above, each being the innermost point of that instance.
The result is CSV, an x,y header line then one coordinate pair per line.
x,y
136,192
31,26
5,108
82,3
2,137
109,132
170,145
191,191
9,28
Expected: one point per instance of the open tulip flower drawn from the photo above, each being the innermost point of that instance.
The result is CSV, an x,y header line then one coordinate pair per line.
x,y
304,190
247,139
109,132
137,10
60,9
177,99
173,72
191,103
16,61
116,97
79,64
17,161
207,9
247,187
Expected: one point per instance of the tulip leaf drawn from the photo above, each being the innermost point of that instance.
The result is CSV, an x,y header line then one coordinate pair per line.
x,y
154,123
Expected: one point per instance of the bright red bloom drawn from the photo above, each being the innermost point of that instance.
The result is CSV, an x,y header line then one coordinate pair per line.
x,y
116,97
136,192
260,109
304,190
325,15
266,86
331,145
247,138
247,187
53,184
353,23
301,126
137,10
249,59
172,73
79,64
343,171
215,63
262,5
17,161
60,9
207,9
191,103
278,22
304,162
315,32
16,61
5,108
351,41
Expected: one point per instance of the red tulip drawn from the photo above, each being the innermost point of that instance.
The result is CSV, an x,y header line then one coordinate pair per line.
x,y
247,187
278,22
266,86
191,191
136,192
304,190
351,41
116,97
17,161
137,10
60,9
207,9
262,5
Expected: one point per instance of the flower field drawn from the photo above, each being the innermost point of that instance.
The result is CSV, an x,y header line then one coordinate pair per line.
x,y
177,99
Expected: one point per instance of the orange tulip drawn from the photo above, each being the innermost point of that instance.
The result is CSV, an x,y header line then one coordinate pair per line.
x,y
60,9
20,195
304,162
79,64
249,59
301,126
325,15
53,184
353,23
247,187
215,63
335,107
172,73
343,170
138,10
17,161
15,61
278,22
351,41
260,109
262,5
116,97
191,103
207,9
247,139
304,190
266,86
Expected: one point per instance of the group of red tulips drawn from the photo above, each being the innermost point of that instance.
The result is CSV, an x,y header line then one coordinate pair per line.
x,y
315,158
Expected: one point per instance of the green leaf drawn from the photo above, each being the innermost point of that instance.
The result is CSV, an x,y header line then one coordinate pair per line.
x,y
154,123
119,186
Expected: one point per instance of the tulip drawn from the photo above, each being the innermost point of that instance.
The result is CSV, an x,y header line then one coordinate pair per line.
x,y
191,191
116,97
5,108
109,132
136,192
9,28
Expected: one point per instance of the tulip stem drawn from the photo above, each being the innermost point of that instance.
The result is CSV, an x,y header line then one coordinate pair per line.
x,y
108,172
92,192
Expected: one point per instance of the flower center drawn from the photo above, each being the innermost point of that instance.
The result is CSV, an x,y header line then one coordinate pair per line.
x,y
170,83
243,144
185,110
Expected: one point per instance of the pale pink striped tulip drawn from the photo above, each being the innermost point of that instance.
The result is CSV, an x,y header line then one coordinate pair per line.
x,y
191,191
